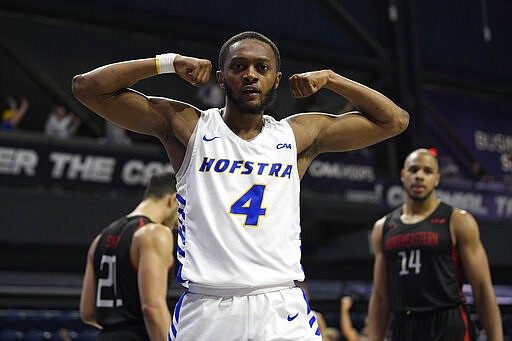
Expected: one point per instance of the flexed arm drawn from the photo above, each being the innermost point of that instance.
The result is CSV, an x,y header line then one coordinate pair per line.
x,y
106,91
379,119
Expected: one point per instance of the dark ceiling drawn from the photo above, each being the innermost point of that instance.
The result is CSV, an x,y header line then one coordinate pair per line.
x,y
440,43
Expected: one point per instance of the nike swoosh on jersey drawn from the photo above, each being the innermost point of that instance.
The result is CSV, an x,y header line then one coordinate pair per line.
x,y
210,139
291,318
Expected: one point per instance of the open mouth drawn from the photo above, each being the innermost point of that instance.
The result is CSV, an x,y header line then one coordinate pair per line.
x,y
250,90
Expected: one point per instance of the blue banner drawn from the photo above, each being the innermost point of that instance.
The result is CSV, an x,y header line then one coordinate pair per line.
x,y
484,127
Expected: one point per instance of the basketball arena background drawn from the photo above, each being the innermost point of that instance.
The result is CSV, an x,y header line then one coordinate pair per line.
x,y
449,64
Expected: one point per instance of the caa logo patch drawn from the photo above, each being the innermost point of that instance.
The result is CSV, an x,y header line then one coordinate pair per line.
x,y
284,145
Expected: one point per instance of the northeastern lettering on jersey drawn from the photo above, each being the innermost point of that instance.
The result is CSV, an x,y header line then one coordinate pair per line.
x,y
415,239
424,271
277,170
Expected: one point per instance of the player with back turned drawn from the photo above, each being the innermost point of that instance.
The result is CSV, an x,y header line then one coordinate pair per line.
x,y
124,290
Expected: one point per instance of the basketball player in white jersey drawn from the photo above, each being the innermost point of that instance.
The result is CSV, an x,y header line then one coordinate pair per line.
x,y
238,174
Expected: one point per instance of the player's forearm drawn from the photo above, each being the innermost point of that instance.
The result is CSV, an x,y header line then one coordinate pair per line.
x,y
109,79
378,319
489,314
157,320
88,316
380,108
93,323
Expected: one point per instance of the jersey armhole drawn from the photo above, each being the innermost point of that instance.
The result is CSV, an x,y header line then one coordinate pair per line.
x,y
185,165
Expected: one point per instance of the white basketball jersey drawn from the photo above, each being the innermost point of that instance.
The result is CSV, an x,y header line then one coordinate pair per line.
x,y
239,207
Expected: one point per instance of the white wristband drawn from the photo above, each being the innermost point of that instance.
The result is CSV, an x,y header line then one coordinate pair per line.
x,y
165,63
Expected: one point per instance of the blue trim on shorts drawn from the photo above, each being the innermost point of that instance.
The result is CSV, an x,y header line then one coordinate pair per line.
x,y
177,309
312,320
173,329
306,299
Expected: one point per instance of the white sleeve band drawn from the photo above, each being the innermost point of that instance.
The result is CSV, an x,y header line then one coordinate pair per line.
x,y
165,63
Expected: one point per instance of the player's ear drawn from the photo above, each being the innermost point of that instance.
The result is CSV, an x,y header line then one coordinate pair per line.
x,y
278,79
171,201
220,79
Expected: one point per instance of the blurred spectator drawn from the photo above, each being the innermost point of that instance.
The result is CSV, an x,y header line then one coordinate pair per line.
x,y
12,116
64,335
478,173
349,332
115,134
61,124
330,334
482,335
448,167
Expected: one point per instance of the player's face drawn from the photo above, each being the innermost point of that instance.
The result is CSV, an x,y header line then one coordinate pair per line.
x,y
250,76
420,176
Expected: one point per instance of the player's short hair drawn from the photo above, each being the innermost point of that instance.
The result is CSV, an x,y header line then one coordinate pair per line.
x,y
247,35
422,151
160,185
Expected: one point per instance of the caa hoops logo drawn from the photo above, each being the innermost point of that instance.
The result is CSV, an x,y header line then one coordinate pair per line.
x,y
284,145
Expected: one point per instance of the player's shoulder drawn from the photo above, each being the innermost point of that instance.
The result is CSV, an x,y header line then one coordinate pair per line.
x,y
153,233
459,214
152,228
379,223
378,230
463,225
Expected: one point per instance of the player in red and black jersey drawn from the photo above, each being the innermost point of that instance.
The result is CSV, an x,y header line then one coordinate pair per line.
x,y
126,277
422,251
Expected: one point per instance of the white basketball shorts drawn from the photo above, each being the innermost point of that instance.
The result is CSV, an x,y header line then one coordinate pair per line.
x,y
279,315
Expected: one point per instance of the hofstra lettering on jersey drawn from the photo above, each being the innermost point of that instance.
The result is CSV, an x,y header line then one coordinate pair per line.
x,y
412,240
277,170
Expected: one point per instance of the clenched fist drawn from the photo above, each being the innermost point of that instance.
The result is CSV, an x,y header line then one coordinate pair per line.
x,y
194,70
308,83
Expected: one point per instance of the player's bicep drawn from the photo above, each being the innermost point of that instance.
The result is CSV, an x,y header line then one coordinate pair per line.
x,y
350,131
134,111
322,132
470,248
